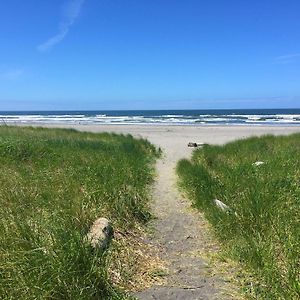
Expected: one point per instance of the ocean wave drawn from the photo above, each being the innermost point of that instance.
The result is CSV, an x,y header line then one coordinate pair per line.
x,y
171,119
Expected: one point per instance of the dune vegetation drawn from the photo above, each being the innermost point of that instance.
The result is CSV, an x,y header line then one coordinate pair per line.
x,y
53,184
258,181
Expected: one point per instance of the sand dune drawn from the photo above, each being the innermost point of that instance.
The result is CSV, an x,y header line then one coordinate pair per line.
x,y
181,234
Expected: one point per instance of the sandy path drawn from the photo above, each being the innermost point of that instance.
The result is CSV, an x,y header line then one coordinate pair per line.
x,y
182,234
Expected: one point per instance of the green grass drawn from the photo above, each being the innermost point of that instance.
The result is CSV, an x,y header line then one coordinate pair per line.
x,y
53,184
262,229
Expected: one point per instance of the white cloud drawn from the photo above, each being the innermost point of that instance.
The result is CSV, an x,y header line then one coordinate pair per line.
x,y
71,11
287,59
11,74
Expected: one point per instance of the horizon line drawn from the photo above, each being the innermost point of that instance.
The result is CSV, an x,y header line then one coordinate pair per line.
x,y
176,109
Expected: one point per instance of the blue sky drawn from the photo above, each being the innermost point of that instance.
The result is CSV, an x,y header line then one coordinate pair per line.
x,y
158,54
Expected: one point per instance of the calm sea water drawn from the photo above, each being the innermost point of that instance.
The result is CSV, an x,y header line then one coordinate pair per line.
x,y
169,117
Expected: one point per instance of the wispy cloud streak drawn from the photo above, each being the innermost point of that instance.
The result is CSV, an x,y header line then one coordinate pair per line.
x,y
287,59
70,13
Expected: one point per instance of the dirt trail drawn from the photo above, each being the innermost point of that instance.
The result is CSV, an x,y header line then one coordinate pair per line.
x,y
182,236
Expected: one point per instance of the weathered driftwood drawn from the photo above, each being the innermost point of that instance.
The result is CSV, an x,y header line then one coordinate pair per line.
x,y
192,144
221,205
224,207
100,234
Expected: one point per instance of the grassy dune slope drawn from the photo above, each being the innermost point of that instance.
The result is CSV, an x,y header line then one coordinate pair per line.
x,y
262,227
53,185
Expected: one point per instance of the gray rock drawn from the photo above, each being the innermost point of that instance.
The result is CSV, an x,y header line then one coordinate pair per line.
x,y
100,234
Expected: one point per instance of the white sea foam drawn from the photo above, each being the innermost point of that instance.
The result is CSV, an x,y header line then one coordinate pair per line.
x,y
201,119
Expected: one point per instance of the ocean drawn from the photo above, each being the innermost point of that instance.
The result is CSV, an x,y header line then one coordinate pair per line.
x,y
157,117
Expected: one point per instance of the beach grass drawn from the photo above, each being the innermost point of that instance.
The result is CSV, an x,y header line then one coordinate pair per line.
x,y
260,227
54,184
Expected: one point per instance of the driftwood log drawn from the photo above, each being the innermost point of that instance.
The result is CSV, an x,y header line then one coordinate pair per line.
x,y
221,205
192,144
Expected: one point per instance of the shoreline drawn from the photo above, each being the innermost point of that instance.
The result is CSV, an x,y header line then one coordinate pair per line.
x,y
45,124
